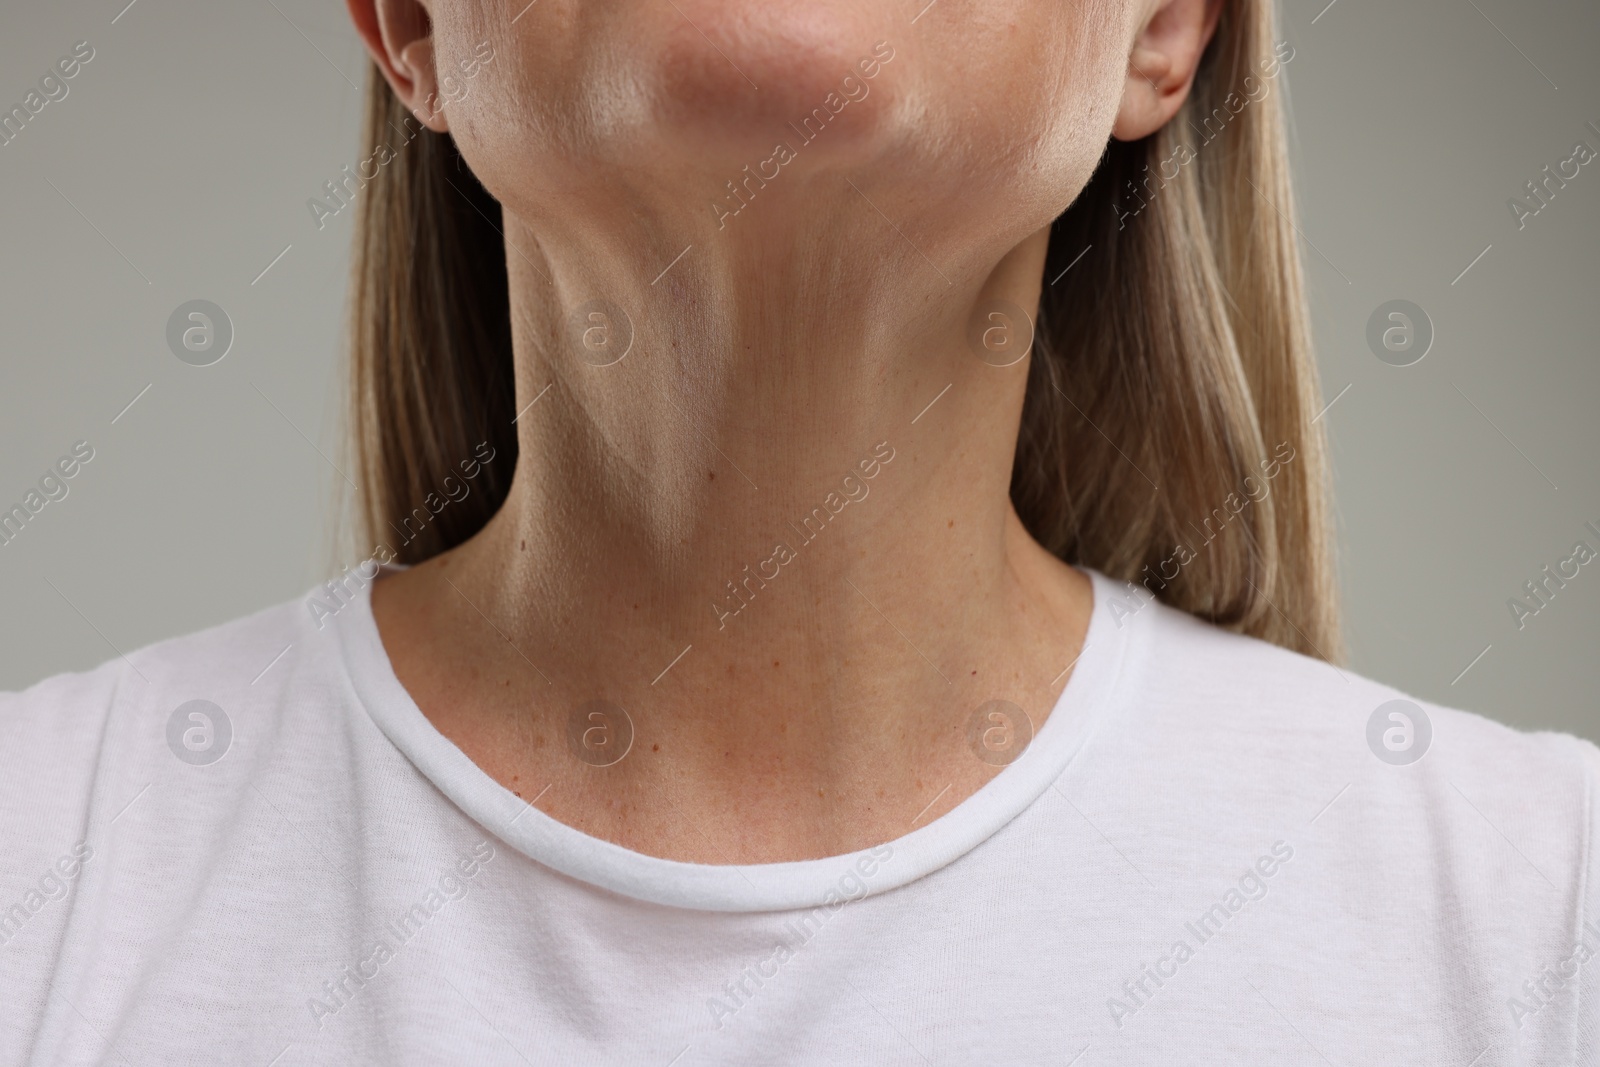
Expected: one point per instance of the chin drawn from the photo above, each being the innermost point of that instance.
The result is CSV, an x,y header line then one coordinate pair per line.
x,y
821,79
701,109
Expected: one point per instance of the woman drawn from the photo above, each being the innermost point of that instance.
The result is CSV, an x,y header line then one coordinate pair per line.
x,y
854,589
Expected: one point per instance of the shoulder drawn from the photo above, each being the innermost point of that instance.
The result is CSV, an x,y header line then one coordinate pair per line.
x,y
127,792
1400,810
1254,703
216,656
67,742
1439,863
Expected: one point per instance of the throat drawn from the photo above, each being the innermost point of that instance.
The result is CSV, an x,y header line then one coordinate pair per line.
x,y
844,704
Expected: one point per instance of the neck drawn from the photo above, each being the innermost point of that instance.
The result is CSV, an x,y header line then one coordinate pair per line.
x,y
778,529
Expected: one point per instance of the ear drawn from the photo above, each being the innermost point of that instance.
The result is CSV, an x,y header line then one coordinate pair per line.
x,y
1162,64
399,34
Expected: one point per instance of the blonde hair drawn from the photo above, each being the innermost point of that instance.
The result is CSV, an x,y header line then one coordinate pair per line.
x,y
1167,433
1174,361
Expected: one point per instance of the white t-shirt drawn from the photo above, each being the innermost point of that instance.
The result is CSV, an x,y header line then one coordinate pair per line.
x,y
1213,851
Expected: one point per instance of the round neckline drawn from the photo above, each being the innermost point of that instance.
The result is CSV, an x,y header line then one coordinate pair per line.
x,y
763,887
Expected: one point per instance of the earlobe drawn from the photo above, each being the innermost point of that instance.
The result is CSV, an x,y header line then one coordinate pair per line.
x,y
399,36
1162,65
417,58
1155,67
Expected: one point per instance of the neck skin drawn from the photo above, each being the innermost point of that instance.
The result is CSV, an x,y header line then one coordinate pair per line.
x,y
829,712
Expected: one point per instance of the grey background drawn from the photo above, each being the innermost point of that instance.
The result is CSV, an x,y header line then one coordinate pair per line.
x,y
185,151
